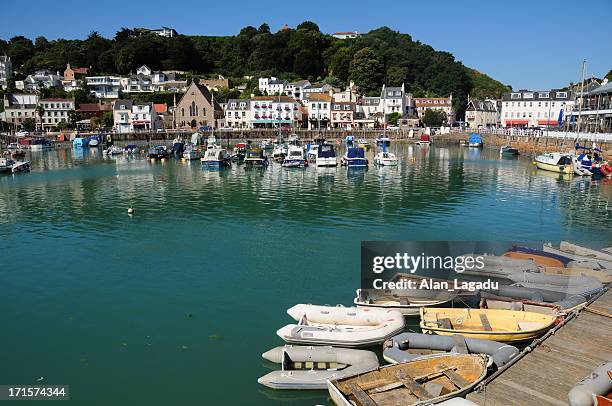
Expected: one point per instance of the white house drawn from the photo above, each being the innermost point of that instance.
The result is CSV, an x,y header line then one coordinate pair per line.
x,y
272,111
6,70
317,88
104,87
42,78
272,85
346,34
526,108
144,70
237,113
296,89
55,111
318,106
144,117
122,110
165,32
392,100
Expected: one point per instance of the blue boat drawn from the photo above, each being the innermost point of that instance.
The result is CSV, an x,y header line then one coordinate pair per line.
x,y
94,141
350,140
77,142
354,157
216,158
589,160
178,146
475,141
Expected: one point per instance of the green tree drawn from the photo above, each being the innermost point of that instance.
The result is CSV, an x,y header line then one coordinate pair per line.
x,y
396,75
107,119
366,70
609,75
433,118
20,49
96,122
392,118
308,25
340,63
73,117
29,124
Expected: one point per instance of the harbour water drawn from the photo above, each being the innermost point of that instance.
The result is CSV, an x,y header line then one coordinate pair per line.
x,y
175,304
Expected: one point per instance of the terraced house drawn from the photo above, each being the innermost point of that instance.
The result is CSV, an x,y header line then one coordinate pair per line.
x,y
237,113
55,111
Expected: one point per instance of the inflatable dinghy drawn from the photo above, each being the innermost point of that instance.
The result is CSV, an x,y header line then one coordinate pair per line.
x,y
311,367
597,383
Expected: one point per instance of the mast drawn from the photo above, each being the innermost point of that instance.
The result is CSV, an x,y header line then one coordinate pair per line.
x,y
581,99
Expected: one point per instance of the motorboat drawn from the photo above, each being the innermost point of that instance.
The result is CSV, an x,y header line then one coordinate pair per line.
x,y
306,367
267,143
383,140
94,141
425,139
326,155
343,326
475,141
424,381
354,158
178,146
9,165
239,152
191,152
507,150
130,149
113,150
486,324
158,152
255,157
311,152
295,157
216,158
279,152
398,349
384,158
559,162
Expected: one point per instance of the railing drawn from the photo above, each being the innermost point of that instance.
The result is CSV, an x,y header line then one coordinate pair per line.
x,y
570,135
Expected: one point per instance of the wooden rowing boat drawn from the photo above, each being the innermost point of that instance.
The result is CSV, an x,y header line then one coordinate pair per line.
x,y
539,256
487,324
419,382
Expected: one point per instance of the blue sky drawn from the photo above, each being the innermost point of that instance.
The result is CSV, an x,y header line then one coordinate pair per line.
x,y
525,43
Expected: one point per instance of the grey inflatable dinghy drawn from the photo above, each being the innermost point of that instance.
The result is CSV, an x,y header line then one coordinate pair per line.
x,y
306,367
396,348
596,383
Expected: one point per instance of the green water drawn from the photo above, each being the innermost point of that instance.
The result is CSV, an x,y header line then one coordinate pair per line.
x,y
175,304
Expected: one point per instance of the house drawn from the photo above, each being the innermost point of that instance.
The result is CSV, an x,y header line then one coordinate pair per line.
x,y
144,117
164,32
104,87
272,86
317,88
392,100
19,107
445,104
275,111
343,114
319,109
215,84
167,118
237,113
138,83
370,106
55,111
122,109
6,70
481,113
595,112
144,70
346,34
90,110
42,78
527,108
296,89
350,94
72,74
198,108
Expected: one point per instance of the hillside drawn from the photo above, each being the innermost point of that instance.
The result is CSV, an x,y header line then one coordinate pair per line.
x,y
380,56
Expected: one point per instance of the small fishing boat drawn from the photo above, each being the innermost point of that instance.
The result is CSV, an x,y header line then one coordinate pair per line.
x,y
595,386
406,347
507,150
538,256
312,151
9,165
255,158
113,150
363,143
487,324
158,152
216,158
354,158
267,144
406,302
295,157
603,275
342,326
559,309
578,260
425,139
419,382
94,141
191,152
279,152
130,149
555,162
584,251
305,367
326,156
383,140
475,141
384,158
178,146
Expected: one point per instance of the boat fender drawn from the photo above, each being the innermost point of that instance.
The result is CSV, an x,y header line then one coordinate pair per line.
x,y
130,210
596,383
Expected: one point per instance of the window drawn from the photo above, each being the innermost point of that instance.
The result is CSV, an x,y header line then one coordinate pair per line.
x,y
515,96
562,95
544,95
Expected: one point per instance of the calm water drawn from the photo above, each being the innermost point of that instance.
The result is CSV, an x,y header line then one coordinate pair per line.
x,y
175,304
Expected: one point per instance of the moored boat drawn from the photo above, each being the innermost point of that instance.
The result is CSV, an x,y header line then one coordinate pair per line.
x,y
295,157
279,152
130,149
9,165
326,156
267,144
113,150
475,141
596,384
538,256
216,158
255,158
507,150
578,260
342,326
584,251
555,162
363,143
406,302
424,139
191,152
94,141
419,382
383,140
384,158
158,152
354,157
306,367
239,152
178,146
487,324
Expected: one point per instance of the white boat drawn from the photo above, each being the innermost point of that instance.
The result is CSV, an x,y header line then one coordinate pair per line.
x,y
113,150
407,303
9,165
580,261
216,158
311,152
295,157
191,152
326,155
342,326
267,143
584,251
279,152
385,159
559,162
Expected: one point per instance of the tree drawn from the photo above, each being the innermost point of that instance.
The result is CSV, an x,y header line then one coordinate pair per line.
x,y
264,29
366,70
340,63
96,122
308,25
73,117
20,49
433,118
392,118
396,75
29,124
609,75
107,119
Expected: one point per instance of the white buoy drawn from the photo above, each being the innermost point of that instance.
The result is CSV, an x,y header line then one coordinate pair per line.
x,y
130,211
